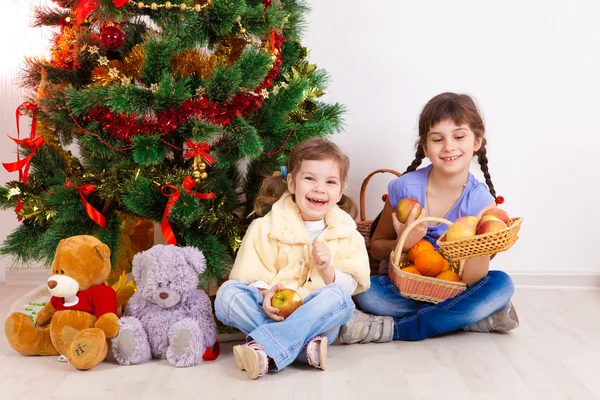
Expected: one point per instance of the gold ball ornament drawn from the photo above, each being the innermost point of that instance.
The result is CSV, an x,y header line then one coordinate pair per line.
x,y
204,175
183,6
202,166
154,6
243,31
168,5
140,4
197,8
196,175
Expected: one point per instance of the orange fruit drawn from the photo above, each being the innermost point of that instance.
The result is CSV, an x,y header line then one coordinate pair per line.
x,y
411,270
448,276
446,265
417,248
429,262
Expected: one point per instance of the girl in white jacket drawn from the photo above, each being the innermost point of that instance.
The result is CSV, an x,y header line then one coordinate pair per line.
x,y
306,243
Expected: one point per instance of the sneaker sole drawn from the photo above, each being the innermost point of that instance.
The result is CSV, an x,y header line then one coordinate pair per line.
x,y
323,353
250,361
237,355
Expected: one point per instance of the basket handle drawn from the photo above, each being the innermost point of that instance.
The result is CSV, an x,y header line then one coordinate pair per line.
x,y
363,189
407,230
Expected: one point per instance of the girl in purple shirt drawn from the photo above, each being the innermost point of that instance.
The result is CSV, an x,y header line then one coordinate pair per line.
x,y
451,133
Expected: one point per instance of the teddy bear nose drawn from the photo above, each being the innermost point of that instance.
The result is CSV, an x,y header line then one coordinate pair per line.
x,y
52,284
163,295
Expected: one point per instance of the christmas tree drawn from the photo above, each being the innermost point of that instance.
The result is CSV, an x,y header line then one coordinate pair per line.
x,y
178,110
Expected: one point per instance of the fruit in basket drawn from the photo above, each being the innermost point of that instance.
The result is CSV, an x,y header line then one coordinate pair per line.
x,y
287,301
498,213
446,265
448,276
429,262
404,208
411,270
460,230
489,226
468,219
417,248
487,218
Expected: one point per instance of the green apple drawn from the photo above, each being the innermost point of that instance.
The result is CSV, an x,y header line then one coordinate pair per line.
x,y
287,301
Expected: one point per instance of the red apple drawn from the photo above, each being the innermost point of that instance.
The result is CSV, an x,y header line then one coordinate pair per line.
x,y
487,218
404,207
491,225
460,230
287,301
469,219
498,213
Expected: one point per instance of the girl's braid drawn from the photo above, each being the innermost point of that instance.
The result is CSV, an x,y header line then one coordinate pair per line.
x,y
419,156
483,163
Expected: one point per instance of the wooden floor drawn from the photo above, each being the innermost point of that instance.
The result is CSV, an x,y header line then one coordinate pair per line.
x,y
554,354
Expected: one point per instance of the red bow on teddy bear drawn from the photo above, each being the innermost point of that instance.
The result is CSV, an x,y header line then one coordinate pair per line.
x,y
85,7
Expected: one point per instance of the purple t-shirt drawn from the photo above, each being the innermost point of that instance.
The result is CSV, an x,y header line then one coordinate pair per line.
x,y
475,196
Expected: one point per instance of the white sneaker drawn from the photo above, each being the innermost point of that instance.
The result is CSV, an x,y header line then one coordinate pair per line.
x,y
252,358
316,352
501,321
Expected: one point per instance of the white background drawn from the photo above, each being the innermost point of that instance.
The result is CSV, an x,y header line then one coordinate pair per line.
x,y
533,67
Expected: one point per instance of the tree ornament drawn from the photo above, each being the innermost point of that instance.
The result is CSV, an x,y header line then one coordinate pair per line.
x,y
111,37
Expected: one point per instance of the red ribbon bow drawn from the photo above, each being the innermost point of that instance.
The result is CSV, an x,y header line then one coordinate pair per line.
x,y
86,190
32,143
188,184
85,7
165,227
198,149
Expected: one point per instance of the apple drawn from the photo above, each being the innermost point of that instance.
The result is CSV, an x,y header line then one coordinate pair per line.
x,y
487,218
405,206
468,219
491,225
287,301
460,230
498,213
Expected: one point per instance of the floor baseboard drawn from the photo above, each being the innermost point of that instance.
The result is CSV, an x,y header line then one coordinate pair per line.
x,y
545,279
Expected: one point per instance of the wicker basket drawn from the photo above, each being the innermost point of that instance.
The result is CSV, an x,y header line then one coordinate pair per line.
x,y
418,287
484,244
364,225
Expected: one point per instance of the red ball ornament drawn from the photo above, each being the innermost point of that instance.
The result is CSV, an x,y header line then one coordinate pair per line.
x,y
111,37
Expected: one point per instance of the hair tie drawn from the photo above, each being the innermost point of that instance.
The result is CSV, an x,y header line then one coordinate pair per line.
x,y
499,200
284,171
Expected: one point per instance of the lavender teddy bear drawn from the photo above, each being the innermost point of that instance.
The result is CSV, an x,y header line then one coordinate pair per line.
x,y
168,317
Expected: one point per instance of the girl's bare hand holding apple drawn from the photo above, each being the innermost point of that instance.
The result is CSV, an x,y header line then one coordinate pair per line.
x,y
417,233
271,311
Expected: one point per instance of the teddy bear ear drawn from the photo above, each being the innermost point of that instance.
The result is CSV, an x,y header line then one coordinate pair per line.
x,y
103,251
194,258
136,267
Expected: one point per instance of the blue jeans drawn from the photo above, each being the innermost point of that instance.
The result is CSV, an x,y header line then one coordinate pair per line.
x,y
321,314
416,320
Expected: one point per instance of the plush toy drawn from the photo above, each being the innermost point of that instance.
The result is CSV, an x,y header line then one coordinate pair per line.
x,y
168,317
81,313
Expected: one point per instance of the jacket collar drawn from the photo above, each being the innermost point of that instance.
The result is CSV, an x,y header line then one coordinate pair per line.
x,y
287,225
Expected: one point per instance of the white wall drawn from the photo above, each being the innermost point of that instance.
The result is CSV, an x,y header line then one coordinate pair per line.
x,y
533,66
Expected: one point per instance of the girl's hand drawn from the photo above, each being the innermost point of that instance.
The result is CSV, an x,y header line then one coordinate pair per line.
x,y
321,255
268,294
416,234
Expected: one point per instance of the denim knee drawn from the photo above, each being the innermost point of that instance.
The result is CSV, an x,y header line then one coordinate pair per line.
x,y
333,296
225,295
503,285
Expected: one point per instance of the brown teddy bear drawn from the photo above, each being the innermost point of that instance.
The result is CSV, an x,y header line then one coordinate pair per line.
x,y
81,314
